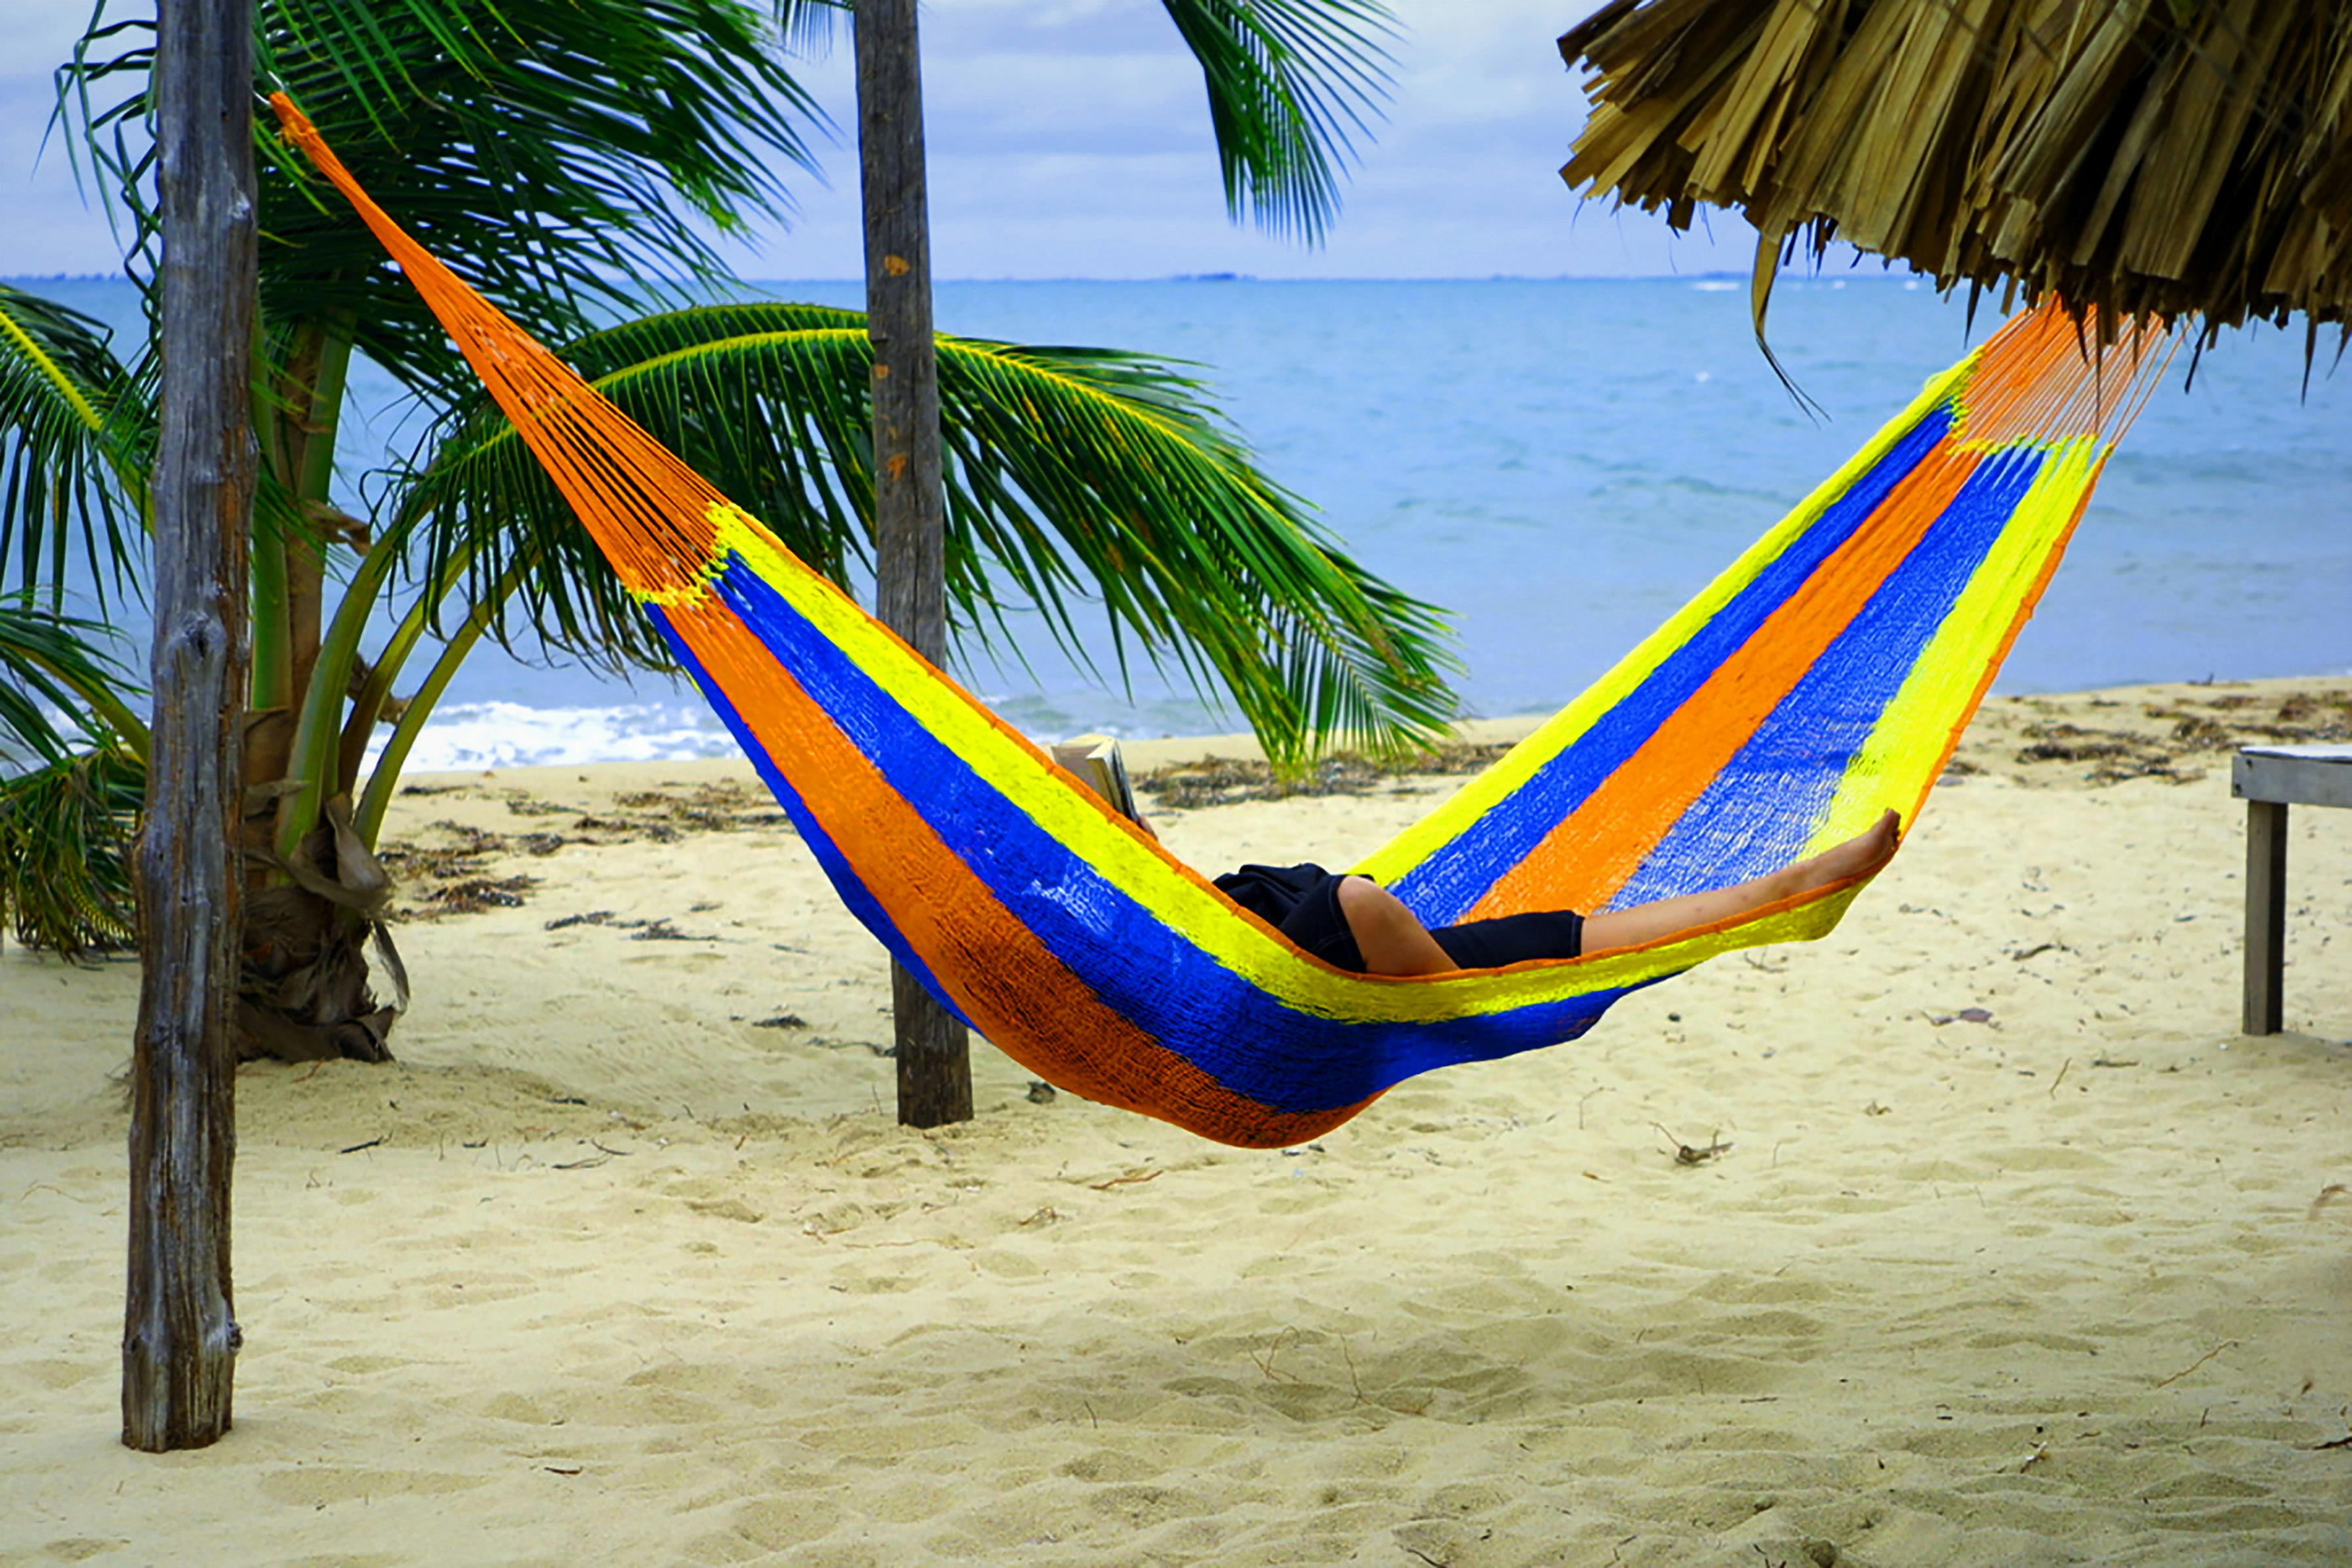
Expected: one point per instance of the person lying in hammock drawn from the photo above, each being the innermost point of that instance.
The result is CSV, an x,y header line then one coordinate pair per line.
x,y
1353,922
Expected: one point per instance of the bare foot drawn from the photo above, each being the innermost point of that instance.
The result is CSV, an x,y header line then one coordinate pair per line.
x,y
1864,855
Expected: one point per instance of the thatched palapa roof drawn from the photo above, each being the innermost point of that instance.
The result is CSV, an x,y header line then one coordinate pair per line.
x,y
2175,156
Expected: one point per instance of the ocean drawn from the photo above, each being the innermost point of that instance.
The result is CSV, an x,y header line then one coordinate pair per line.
x,y
1560,464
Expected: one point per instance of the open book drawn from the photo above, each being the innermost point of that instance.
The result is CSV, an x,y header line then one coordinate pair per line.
x,y
1096,761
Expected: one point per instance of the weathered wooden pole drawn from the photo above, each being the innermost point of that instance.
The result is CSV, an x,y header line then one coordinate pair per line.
x,y
911,548
179,1334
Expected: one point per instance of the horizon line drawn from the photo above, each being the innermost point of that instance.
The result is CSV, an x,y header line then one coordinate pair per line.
x,y
13,278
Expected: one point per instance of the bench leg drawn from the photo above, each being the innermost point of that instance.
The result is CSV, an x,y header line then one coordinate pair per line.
x,y
2265,916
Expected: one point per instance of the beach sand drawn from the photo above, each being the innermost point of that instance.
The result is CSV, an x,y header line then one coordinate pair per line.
x,y
2010,1250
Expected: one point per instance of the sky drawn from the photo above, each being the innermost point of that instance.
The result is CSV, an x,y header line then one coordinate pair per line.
x,y
1070,139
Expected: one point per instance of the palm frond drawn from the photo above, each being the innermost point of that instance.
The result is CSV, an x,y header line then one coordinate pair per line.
x,y
807,26
73,447
1072,475
60,685
65,846
573,156
1289,85
71,781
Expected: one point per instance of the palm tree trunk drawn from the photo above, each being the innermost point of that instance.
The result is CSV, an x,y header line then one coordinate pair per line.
x,y
180,1337
910,551
298,450
314,386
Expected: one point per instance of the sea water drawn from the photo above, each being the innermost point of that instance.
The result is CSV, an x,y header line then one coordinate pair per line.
x,y
1560,464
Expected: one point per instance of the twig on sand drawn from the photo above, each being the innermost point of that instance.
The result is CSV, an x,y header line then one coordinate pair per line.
x,y
1265,1358
1131,1179
1688,1154
2193,1365
369,1144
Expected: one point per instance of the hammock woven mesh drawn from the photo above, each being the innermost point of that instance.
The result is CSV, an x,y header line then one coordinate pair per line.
x,y
1823,679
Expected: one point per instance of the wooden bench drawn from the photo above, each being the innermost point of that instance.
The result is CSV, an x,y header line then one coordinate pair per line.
x,y
2269,779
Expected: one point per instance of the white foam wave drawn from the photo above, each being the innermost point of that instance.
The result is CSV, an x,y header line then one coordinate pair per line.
x,y
469,736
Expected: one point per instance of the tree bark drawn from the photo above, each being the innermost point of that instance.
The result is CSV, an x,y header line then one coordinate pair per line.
x,y
180,1337
911,548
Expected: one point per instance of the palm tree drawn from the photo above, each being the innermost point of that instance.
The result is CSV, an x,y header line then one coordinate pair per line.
x,y
562,153
1279,132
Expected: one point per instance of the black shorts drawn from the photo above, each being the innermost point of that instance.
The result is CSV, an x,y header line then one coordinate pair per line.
x,y
1302,903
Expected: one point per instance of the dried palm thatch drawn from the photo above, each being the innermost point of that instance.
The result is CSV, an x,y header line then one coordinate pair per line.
x,y
2180,157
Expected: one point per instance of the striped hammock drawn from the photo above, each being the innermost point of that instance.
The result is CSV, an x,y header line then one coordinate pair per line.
x,y
1824,678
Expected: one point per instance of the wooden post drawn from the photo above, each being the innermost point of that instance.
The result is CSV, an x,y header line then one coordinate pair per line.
x,y
2270,779
178,1335
910,541
2265,916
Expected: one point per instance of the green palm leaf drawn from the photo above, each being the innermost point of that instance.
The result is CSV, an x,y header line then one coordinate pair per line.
x,y
74,445
65,840
1072,473
60,684
71,781
1290,84
78,432
568,154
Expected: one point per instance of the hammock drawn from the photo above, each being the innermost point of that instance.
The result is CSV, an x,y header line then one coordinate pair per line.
x,y
1824,678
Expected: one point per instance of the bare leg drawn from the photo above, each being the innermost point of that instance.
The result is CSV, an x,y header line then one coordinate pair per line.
x,y
1861,855
1387,934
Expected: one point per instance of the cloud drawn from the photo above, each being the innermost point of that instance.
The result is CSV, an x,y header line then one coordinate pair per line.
x,y
1073,140
1070,137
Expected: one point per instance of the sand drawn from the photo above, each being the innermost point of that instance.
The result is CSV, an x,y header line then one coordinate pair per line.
x,y
2011,1250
